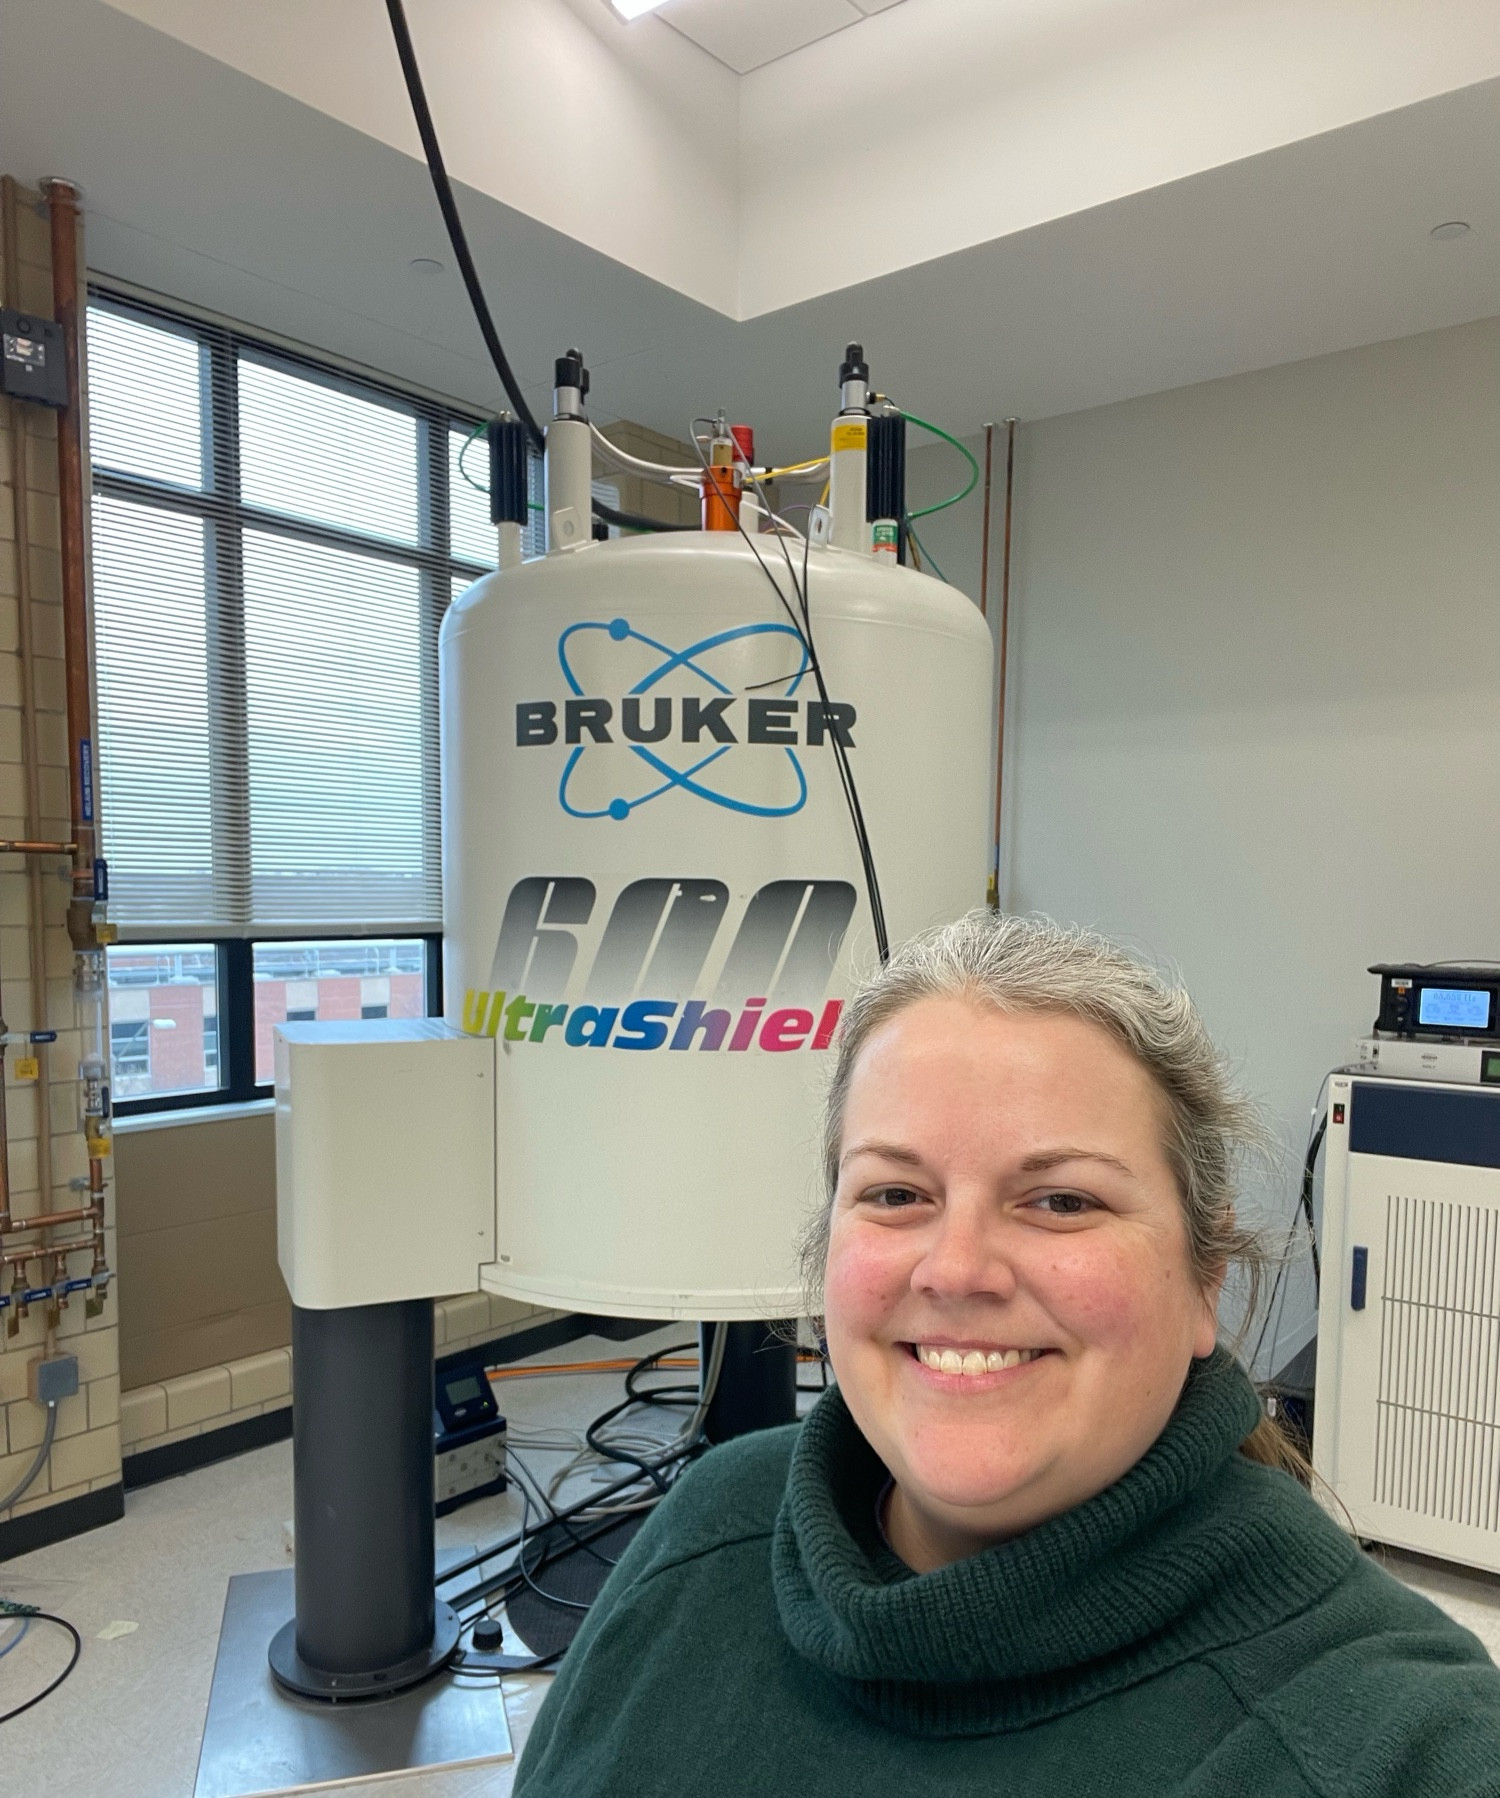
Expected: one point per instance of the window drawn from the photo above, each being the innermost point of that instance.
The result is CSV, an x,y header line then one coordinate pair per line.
x,y
365,977
274,545
164,1020
167,1001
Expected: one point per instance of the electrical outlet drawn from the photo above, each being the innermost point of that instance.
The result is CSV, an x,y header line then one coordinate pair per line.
x,y
49,1381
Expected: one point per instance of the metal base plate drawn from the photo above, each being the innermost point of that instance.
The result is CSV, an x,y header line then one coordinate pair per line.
x,y
312,1682
259,1740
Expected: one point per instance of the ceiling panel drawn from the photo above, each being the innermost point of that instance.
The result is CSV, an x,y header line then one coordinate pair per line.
x,y
746,34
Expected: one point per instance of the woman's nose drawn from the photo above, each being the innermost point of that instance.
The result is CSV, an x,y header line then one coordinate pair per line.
x,y
965,1254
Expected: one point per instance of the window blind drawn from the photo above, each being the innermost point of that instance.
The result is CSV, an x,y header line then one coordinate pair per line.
x,y
274,544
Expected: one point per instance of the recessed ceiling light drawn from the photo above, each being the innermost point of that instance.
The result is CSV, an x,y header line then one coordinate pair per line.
x,y
425,265
634,9
1453,228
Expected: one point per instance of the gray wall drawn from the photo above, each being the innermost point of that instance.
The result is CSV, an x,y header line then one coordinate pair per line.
x,y
1256,692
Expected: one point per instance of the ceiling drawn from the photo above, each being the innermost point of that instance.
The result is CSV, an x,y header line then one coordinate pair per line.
x,y
215,186
747,34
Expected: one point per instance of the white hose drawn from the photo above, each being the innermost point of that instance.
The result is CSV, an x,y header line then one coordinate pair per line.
x,y
623,459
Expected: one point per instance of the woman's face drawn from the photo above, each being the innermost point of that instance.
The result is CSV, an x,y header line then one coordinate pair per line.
x,y
1005,1203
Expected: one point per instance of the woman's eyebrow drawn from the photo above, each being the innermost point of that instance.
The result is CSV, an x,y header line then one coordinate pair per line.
x,y
1040,1162
887,1151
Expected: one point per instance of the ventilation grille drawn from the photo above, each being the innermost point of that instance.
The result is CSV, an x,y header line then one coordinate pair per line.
x,y
1437,1448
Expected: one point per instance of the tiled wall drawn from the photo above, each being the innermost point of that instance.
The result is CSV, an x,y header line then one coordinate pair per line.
x,y
170,1410
87,1453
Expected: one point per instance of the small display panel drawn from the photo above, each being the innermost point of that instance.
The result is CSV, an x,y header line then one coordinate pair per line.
x,y
1453,1008
1489,1070
461,1391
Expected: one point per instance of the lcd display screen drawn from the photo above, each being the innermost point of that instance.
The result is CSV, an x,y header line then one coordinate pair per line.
x,y
461,1391
1454,1008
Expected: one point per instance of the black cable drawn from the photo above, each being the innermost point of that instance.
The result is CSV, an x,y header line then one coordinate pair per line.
x,y
803,628
659,1395
46,1692
1303,1213
613,1452
634,521
1308,1168
449,209
550,1511
448,206
571,1604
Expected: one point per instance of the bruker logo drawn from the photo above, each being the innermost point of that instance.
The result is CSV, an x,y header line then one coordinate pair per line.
x,y
676,738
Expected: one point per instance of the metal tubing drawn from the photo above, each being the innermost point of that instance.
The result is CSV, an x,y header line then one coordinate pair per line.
x,y
984,541
31,846
62,200
34,1251
1010,482
49,1220
18,459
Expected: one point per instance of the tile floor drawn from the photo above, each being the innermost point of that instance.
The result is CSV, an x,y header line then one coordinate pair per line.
x,y
130,1719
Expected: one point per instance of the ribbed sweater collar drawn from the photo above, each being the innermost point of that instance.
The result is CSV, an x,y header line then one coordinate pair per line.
x,y
1194,1548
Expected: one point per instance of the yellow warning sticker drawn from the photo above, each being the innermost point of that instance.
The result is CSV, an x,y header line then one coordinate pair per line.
x,y
27,1067
850,434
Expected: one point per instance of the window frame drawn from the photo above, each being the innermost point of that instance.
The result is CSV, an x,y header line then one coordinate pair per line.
x,y
218,504
235,963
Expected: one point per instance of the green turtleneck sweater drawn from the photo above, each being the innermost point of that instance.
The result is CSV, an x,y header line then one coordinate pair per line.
x,y
1199,1629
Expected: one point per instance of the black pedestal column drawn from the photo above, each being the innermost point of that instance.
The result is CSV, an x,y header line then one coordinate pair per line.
x,y
757,1386
367,1617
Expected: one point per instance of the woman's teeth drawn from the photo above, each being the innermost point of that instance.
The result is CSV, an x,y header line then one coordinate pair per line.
x,y
973,1361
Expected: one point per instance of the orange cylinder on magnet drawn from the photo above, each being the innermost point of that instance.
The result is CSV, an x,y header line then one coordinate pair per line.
x,y
721,496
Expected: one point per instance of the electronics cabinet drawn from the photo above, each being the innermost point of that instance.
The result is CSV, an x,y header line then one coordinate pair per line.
x,y
1407,1420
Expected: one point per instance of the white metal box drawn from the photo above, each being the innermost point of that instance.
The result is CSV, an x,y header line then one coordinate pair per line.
x,y
1407,1419
385,1160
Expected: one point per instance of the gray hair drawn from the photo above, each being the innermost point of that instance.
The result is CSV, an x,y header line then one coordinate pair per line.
x,y
1018,964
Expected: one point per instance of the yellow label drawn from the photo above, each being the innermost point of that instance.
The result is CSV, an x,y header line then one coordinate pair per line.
x,y
106,933
98,1147
27,1067
850,434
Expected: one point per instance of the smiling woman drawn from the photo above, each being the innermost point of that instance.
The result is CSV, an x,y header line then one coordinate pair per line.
x,y
1041,1537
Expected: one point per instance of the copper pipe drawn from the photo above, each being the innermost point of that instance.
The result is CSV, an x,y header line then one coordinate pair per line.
x,y
31,845
49,1220
19,1257
96,1214
5,1218
984,543
9,250
1010,485
62,199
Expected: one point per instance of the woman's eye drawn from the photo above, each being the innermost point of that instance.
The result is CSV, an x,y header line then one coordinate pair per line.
x,y
895,1198
1063,1204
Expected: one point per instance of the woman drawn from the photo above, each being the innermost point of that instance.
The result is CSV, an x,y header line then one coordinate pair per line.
x,y
1040,1540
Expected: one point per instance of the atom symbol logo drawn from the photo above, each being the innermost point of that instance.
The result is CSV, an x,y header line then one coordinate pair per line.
x,y
696,661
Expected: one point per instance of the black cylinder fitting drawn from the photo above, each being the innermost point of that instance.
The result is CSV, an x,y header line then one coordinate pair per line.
x,y
510,452
885,476
570,372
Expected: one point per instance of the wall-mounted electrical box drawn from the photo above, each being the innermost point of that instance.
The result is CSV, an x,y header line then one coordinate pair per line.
x,y
32,362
